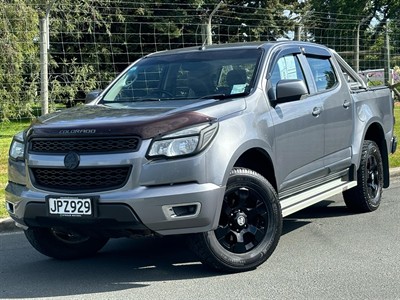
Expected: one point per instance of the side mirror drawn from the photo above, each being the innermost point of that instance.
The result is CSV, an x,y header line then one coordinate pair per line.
x,y
92,95
290,90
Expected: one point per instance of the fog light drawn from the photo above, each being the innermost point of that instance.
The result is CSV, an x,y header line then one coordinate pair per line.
x,y
187,210
10,207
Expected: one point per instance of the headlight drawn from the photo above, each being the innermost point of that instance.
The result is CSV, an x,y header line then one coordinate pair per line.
x,y
17,148
184,142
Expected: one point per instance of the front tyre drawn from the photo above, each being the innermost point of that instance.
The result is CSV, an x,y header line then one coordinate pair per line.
x,y
62,244
249,228
366,196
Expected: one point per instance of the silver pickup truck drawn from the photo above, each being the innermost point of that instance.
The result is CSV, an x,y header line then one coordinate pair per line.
x,y
216,142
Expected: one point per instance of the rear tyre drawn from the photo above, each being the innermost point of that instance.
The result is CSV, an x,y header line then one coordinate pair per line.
x,y
366,196
62,244
249,228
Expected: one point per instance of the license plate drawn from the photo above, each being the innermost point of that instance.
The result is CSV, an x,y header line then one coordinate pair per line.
x,y
70,206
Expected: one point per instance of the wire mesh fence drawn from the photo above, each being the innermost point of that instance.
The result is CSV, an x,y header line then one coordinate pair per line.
x,y
89,43
64,49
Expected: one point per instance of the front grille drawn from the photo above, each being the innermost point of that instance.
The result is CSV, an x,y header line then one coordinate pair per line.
x,y
80,180
85,145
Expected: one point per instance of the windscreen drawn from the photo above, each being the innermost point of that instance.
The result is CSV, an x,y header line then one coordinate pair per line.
x,y
190,75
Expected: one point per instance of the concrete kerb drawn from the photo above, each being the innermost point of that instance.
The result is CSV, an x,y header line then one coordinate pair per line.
x,y
395,172
8,225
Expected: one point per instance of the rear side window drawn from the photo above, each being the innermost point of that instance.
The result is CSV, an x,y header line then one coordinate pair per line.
x,y
323,72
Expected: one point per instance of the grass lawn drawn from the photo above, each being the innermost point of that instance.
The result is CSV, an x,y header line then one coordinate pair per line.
x,y
394,159
7,131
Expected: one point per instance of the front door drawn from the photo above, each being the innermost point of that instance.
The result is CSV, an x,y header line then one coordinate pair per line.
x,y
298,129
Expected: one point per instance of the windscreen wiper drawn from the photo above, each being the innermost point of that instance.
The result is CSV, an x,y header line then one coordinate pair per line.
x,y
130,100
224,96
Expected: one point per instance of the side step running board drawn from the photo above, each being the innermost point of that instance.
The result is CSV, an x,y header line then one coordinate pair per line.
x,y
297,202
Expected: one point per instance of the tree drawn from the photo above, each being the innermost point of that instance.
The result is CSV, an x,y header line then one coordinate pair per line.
x,y
19,62
93,40
106,36
335,23
243,21
81,47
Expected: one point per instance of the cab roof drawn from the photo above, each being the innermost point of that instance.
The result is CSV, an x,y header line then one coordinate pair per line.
x,y
248,45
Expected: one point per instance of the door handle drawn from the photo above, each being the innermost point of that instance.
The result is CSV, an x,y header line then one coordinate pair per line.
x,y
346,104
316,111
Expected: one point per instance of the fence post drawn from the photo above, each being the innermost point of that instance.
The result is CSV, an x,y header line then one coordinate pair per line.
x,y
387,76
357,49
206,31
297,32
44,85
357,45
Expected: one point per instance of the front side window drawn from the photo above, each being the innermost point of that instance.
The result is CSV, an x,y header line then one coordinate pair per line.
x,y
323,73
287,67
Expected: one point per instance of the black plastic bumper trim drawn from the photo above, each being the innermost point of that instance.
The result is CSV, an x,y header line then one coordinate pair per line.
x,y
109,217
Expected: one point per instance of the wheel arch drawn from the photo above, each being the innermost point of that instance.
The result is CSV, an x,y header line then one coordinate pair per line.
x,y
259,161
375,133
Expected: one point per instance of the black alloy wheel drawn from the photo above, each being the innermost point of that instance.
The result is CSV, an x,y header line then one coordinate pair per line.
x,y
249,227
244,220
366,196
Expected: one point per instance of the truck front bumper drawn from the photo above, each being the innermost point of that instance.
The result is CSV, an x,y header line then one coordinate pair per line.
x,y
165,210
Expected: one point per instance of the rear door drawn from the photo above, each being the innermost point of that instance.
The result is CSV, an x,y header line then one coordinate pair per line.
x,y
337,110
